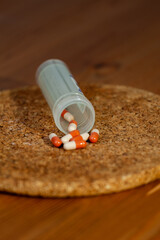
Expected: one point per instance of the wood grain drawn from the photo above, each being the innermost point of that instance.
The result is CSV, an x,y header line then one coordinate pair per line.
x,y
118,38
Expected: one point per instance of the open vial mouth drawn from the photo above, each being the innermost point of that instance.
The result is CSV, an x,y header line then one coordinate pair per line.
x,y
79,106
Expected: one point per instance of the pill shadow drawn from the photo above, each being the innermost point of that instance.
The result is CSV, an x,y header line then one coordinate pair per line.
x,y
32,113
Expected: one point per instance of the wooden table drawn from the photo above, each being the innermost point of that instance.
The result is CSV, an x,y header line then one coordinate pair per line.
x,y
121,38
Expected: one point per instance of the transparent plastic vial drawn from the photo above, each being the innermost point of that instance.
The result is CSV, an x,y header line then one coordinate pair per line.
x,y
62,92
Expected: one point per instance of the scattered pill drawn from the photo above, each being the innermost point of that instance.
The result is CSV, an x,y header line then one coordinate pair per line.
x,y
70,135
67,115
55,140
72,126
73,140
94,136
83,136
75,145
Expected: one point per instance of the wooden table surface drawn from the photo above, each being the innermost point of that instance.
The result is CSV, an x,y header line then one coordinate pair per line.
x,y
118,38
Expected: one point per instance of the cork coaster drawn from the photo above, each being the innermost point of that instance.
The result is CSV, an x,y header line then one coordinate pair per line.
x,y
126,156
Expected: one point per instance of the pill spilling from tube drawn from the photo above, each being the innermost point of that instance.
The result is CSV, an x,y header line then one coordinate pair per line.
x,y
73,140
73,113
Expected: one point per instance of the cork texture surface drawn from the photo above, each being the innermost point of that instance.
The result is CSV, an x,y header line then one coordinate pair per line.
x,y
127,154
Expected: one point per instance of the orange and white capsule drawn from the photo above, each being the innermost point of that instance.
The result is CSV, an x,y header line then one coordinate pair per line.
x,y
70,135
72,126
83,136
67,115
94,136
75,145
55,140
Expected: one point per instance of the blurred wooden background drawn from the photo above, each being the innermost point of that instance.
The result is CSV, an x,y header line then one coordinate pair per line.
x,y
119,43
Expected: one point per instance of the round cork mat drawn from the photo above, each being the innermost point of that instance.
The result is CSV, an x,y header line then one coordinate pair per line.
x,y
127,154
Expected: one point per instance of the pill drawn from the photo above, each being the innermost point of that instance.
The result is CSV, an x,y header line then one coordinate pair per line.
x,y
70,135
67,115
94,135
75,145
72,126
55,140
83,136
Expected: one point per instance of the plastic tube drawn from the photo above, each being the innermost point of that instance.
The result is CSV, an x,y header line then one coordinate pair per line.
x,y
62,92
